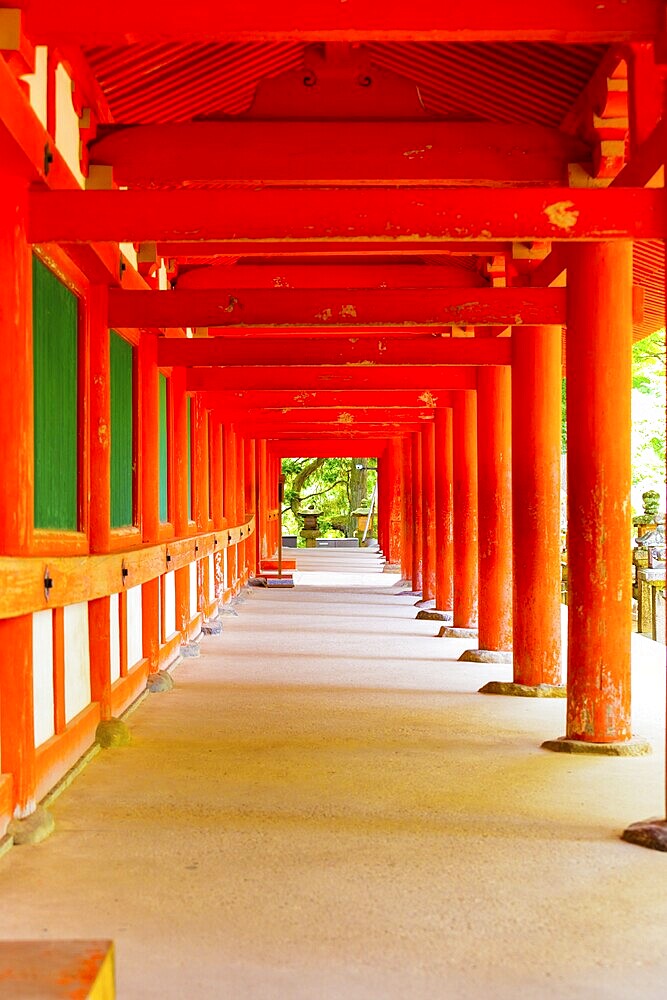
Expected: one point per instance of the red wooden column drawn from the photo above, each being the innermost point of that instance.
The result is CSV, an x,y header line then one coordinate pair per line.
x,y
394,500
429,544
250,499
382,504
230,499
200,477
465,529
494,447
181,514
536,416
417,510
261,502
17,742
215,448
149,488
599,369
99,397
444,507
406,508
240,505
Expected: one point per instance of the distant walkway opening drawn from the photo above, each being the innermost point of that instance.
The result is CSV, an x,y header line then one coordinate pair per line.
x,y
342,568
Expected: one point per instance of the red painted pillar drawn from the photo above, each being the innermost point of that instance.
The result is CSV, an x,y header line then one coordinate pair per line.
x,y
429,550
180,483
200,478
261,501
465,527
230,500
536,415
444,525
250,501
394,500
416,453
216,473
149,464
406,508
494,408
17,743
599,369
382,504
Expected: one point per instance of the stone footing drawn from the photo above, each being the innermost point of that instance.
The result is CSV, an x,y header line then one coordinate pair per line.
x,y
434,616
159,682
224,609
525,690
635,747
33,829
485,656
456,633
190,649
112,733
650,833
211,628
428,604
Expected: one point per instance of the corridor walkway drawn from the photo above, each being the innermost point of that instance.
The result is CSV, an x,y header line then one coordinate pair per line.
x,y
324,808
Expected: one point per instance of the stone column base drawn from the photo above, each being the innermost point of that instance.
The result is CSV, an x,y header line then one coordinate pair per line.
x,y
485,656
456,633
112,733
651,833
525,690
33,829
635,747
159,682
434,616
428,603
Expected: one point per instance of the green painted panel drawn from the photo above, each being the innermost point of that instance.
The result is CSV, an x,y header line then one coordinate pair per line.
x,y
164,506
55,386
122,428
189,413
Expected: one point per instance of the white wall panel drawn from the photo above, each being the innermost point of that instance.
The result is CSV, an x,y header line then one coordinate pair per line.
x,y
169,604
211,578
193,589
114,623
42,676
134,624
77,660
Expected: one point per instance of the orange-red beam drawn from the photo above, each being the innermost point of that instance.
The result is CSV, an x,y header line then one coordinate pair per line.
x,y
337,153
331,250
425,350
300,401
276,274
286,307
323,448
341,378
311,214
78,22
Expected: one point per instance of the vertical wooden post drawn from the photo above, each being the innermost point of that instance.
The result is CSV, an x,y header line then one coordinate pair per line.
x,y
536,414
406,508
382,504
180,492
429,515
261,502
216,473
416,452
495,515
230,500
149,505
250,500
599,368
200,465
464,439
17,743
394,487
444,474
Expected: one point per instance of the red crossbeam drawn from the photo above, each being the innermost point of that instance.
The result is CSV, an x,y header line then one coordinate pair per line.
x,y
332,249
337,153
275,274
340,379
347,214
331,351
313,401
337,416
82,22
315,447
285,307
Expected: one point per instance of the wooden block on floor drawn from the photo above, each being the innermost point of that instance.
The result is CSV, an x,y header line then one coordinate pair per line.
x,y
55,970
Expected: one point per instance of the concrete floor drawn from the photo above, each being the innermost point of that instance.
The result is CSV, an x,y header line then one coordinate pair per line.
x,y
324,808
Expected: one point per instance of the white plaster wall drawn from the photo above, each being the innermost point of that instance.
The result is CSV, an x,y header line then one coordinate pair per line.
x,y
114,622
67,123
225,570
169,604
42,676
134,624
37,83
211,578
193,589
77,660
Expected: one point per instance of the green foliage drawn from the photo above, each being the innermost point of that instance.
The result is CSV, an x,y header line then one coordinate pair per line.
x,y
328,484
648,416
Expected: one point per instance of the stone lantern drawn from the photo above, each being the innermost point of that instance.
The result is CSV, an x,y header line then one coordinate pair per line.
x,y
361,513
310,529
